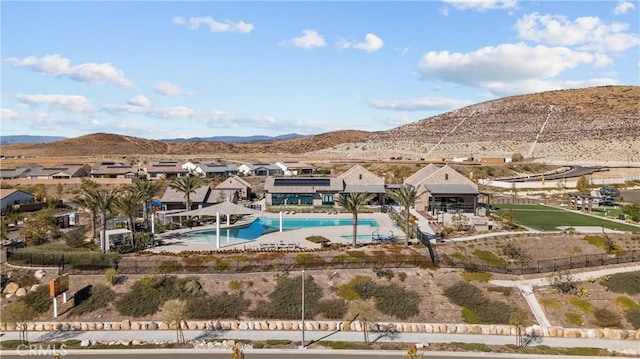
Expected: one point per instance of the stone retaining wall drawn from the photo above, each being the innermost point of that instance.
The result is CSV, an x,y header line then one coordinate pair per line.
x,y
279,325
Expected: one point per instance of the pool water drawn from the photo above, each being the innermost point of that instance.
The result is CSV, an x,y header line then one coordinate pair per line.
x,y
263,226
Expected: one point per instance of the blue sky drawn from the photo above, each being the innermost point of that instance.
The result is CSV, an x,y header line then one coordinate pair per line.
x,y
184,69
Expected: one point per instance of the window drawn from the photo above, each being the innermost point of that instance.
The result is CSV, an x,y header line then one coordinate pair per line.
x,y
360,176
446,176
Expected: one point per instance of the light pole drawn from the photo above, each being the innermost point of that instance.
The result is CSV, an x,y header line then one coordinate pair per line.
x,y
302,346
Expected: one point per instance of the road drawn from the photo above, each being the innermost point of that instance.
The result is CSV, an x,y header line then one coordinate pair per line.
x,y
266,354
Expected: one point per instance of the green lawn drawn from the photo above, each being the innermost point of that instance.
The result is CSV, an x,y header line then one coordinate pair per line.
x,y
546,218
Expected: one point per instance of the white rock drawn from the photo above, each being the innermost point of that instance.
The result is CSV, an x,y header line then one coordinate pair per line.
x,y
39,274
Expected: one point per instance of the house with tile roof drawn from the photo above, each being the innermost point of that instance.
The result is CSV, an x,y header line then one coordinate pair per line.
x,y
59,171
114,170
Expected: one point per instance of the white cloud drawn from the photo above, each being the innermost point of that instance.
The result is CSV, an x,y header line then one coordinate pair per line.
x,y
421,104
509,68
58,66
193,23
73,103
7,114
504,63
482,5
371,43
169,89
139,100
623,7
309,39
587,33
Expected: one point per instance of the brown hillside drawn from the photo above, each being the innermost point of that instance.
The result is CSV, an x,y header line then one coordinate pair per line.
x,y
101,144
600,124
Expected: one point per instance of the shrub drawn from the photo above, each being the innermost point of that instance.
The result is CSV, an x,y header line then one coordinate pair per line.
x,y
149,293
627,303
75,237
628,283
286,299
633,317
484,277
219,306
575,319
606,318
466,295
99,296
364,286
235,285
563,282
402,276
582,304
513,251
275,342
333,308
470,317
397,301
169,266
111,276
39,299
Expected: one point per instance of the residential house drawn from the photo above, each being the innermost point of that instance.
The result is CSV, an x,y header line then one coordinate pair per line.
x,y
358,179
310,191
14,173
60,171
113,170
210,170
443,189
11,197
260,169
236,184
295,168
165,170
174,199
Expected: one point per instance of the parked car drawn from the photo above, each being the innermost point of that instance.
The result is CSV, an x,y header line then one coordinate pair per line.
x,y
609,191
609,203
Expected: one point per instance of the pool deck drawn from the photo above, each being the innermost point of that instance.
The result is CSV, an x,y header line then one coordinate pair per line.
x,y
287,239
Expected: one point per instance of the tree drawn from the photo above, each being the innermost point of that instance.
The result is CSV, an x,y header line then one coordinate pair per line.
x,y
103,201
86,201
174,313
40,192
128,202
59,191
406,197
583,185
39,227
460,221
187,185
507,218
237,353
19,314
412,353
633,211
147,190
519,320
363,312
354,202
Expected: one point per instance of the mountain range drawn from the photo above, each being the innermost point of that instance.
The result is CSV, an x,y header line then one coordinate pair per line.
x,y
597,125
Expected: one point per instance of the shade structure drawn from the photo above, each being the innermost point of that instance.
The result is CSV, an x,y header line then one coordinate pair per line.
x,y
223,208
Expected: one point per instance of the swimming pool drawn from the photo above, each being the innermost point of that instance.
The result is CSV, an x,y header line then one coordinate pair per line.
x,y
263,226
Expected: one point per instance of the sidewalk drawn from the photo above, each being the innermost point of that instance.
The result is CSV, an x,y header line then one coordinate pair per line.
x,y
628,347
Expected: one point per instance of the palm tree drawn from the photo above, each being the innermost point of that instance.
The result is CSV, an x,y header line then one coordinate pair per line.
x,y
87,187
128,202
354,202
406,197
147,190
187,185
104,201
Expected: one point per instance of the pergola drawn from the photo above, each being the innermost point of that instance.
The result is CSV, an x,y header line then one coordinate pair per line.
x,y
226,208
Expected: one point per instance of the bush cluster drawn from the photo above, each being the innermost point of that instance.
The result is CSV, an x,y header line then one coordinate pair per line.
x,y
390,299
39,299
486,311
285,301
333,308
220,306
606,318
148,294
628,283
92,298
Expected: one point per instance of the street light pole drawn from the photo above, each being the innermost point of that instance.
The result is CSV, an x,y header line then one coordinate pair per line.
x,y
302,309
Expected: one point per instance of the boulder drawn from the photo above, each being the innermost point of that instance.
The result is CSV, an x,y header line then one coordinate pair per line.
x,y
85,343
125,324
234,325
34,287
286,325
65,327
272,326
153,326
39,274
135,326
21,292
163,326
11,288
243,326
279,325
231,343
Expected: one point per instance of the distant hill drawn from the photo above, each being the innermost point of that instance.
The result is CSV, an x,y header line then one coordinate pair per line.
x,y
12,139
235,139
590,126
